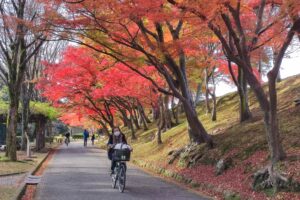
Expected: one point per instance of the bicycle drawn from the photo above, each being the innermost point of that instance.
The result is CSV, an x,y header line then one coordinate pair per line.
x,y
67,141
119,176
120,156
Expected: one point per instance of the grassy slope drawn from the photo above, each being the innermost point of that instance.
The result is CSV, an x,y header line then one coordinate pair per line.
x,y
23,165
245,143
20,166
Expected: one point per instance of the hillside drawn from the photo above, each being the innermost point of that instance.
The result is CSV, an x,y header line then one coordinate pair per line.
x,y
243,144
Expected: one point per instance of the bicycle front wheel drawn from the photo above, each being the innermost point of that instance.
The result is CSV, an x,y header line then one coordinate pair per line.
x,y
114,180
122,178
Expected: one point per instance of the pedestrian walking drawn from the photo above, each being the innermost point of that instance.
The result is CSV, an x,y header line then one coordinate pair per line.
x,y
85,137
93,139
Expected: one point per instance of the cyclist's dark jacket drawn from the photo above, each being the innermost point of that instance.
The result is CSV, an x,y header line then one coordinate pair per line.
x,y
67,135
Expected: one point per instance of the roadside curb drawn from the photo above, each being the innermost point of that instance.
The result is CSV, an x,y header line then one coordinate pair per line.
x,y
20,191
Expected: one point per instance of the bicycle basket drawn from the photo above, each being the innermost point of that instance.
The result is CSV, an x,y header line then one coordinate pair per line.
x,y
121,155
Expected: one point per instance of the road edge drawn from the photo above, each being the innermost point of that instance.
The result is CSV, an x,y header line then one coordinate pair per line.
x,y
170,180
13,174
22,189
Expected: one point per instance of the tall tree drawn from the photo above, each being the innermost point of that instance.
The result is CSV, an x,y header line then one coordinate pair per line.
x,y
48,52
135,32
85,83
247,36
21,38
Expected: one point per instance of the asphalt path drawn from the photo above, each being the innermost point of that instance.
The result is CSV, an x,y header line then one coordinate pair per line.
x,y
82,173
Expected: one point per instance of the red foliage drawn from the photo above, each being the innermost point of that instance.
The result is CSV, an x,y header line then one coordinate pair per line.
x,y
82,81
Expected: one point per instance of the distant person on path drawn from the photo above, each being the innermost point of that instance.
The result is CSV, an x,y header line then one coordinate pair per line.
x,y
93,139
67,135
116,137
85,137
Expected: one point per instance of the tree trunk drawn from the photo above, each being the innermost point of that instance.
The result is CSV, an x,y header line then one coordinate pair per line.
x,y
25,100
197,132
141,119
214,98
130,126
142,112
241,84
214,110
166,113
160,121
275,54
245,113
160,124
25,115
279,79
134,118
158,136
40,134
198,93
124,121
49,128
11,130
271,123
269,108
28,146
133,136
155,111
175,111
260,69
208,109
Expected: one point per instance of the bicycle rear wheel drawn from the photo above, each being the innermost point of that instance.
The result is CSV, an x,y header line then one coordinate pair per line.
x,y
122,178
67,142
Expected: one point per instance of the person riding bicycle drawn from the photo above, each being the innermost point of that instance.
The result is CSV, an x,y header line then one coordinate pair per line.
x,y
67,135
116,137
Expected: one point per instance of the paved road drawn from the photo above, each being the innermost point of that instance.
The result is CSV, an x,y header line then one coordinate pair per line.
x,y
78,173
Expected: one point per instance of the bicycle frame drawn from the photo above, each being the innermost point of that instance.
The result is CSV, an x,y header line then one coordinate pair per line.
x,y
119,176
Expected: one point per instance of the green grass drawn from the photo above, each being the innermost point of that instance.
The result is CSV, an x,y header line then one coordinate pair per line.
x,y
228,133
231,138
20,166
7,193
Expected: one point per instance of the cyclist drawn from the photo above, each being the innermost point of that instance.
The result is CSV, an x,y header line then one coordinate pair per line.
x,y
67,140
116,137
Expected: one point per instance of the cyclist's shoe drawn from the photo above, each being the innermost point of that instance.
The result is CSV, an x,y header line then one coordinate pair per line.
x,y
112,172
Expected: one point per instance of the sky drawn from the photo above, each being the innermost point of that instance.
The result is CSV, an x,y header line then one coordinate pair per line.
x,y
289,67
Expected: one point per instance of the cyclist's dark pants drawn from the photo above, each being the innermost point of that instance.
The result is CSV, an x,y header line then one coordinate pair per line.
x,y
113,163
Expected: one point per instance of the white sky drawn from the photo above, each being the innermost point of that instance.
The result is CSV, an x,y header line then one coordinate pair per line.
x,y
289,67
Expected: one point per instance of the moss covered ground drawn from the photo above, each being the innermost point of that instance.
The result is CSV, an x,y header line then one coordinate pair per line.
x,y
244,142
